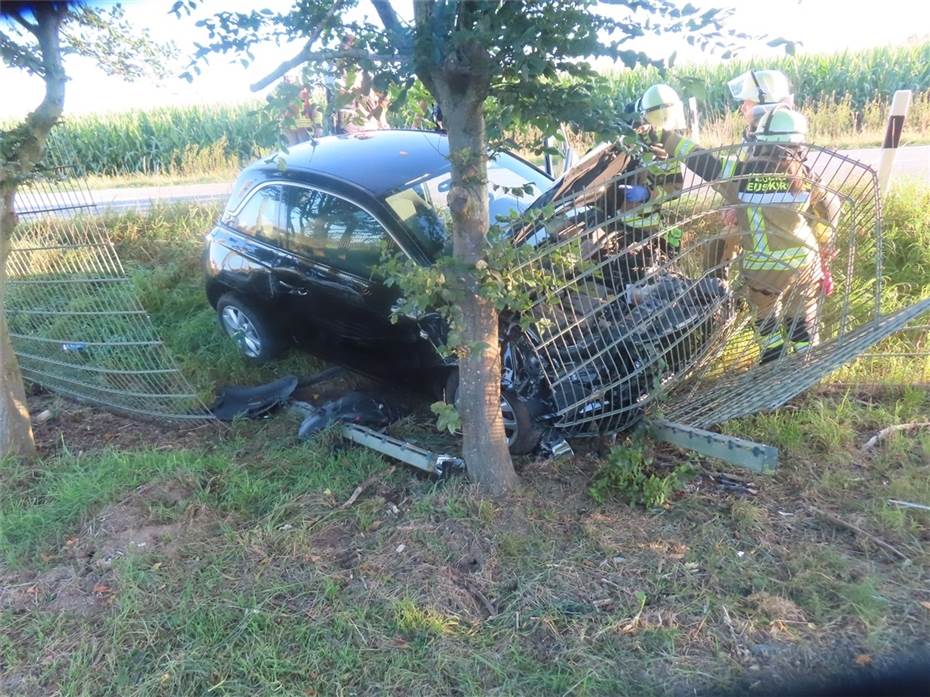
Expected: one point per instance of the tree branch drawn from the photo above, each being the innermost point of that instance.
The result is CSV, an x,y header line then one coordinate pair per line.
x,y
322,57
389,19
28,26
15,56
297,60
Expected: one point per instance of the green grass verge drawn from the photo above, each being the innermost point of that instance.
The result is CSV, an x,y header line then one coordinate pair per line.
x,y
272,587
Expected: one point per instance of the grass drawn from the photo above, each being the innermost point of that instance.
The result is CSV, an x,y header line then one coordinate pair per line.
x,y
273,589
254,580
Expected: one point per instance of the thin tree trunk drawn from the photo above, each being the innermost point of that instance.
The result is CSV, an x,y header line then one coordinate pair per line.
x,y
29,138
484,445
15,427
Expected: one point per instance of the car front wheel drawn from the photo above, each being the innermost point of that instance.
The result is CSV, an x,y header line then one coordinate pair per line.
x,y
523,435
254,335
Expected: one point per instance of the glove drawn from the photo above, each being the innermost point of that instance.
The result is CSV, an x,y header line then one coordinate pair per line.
x,y
635,194
826,279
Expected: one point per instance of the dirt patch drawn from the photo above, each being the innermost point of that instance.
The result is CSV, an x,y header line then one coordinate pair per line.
x,y
81,428
155,519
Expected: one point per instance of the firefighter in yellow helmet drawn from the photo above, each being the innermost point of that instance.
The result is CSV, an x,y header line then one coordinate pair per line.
x,y
786,224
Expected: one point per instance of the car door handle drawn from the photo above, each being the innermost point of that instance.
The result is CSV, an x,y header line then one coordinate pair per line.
x,y
293,290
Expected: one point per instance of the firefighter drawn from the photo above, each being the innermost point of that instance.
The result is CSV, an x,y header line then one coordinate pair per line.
x,y
661,109
642,178
759,91
786,224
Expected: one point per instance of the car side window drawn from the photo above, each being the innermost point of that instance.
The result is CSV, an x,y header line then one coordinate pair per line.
x,y
260,216
334,231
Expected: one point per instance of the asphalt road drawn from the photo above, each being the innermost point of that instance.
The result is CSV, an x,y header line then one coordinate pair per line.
x,y
911,163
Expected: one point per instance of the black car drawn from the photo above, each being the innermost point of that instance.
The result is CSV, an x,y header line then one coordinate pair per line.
x,y
294,258
294,252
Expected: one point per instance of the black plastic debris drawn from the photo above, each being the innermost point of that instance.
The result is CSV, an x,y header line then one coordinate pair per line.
x,y
234,402
358,408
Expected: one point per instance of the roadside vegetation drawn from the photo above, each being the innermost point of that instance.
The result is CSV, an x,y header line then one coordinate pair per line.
x,y
846,96
142,559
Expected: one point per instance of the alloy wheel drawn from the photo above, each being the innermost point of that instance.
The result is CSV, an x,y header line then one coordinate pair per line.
x,y
243,332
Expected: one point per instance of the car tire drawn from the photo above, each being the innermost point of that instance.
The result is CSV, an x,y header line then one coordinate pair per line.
x,y
255,337
523,434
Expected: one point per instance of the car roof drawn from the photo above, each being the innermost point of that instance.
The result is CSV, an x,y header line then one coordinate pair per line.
x,y
377,161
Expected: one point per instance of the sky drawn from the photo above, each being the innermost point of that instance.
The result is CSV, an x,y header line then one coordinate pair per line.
x,y
821,26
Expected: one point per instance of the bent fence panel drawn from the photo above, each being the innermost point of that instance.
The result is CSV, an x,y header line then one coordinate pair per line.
x,y
705,302
75,321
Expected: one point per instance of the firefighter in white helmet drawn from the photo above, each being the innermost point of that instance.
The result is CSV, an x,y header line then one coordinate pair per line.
x,y
758,92
661,109
786,226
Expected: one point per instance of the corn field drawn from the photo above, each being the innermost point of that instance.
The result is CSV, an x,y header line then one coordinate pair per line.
x,y
167,140
843,94
860,77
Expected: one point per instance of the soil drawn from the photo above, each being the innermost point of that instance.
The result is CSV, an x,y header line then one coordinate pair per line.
x,y
84,585
81,428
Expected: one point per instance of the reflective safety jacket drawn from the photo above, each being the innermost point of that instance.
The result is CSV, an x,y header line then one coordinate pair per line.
x,y
787,221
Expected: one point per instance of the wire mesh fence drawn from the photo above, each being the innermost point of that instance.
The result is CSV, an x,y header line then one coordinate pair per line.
x,y
76,324
751,273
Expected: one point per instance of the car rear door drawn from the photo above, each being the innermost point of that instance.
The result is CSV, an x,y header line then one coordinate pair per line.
x,y
249,245
335,246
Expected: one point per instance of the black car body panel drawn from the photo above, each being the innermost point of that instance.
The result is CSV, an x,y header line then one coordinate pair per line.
x,y
313,279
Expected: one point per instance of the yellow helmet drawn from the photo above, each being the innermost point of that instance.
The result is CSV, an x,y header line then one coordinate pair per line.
x,y
782,125
661,107
762,87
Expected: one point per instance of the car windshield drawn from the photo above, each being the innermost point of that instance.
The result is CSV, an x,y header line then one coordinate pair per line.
x,y
424,211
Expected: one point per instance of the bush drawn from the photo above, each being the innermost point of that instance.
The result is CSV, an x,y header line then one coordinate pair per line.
x,y
629,473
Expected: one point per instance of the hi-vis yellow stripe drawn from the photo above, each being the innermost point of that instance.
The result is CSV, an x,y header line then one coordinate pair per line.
x,y
684,148
642,220
762,258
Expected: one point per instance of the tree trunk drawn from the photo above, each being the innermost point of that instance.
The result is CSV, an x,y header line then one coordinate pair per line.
x,y
484,445
15,428
29,140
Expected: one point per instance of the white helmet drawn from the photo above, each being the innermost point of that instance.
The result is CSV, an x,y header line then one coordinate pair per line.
x,y
661,106
782,125
762,87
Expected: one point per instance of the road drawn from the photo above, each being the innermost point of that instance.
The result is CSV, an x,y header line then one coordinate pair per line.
x,y
143,197
911,163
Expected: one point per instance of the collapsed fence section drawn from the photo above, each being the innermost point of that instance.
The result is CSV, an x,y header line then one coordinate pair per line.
x,y
75,321
747,275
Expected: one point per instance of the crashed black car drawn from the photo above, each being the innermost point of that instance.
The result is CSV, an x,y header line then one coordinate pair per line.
x,y
293,257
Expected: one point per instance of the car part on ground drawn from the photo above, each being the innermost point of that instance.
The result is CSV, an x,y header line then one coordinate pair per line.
x,y
352,408
437,464
361,418
234,402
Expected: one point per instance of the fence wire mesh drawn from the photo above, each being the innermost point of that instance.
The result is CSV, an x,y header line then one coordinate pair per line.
x,y
75,321
710,298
